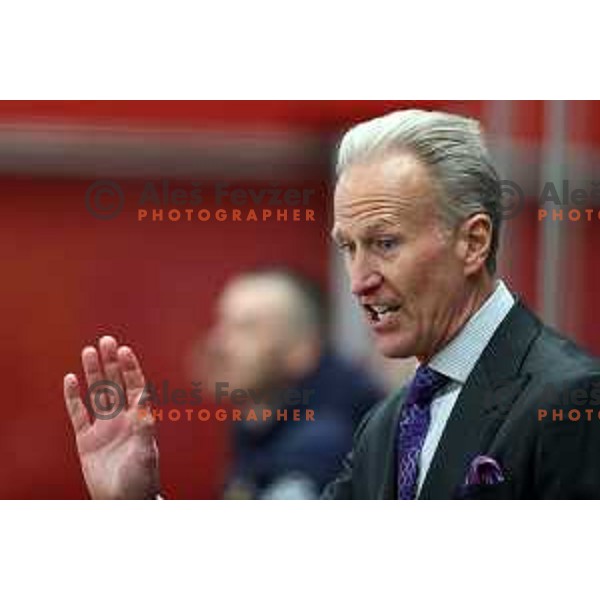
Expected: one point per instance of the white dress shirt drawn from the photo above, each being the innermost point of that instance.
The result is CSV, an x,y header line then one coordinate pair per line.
x,y
456,360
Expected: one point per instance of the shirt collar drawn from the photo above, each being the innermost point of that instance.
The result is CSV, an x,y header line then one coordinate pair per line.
x,y
457,359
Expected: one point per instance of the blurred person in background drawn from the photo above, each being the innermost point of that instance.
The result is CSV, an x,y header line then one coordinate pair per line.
x,y
270,336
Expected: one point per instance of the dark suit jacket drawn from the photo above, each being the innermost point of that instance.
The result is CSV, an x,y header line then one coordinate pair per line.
x,y
525,369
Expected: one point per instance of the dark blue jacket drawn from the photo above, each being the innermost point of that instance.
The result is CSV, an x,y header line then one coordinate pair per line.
x,y
308,450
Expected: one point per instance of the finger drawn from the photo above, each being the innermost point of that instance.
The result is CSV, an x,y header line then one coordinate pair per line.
x,y
91,365
77,411
92,369
132,375
110,360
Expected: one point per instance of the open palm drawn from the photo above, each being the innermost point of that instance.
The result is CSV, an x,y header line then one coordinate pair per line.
x,y
117,449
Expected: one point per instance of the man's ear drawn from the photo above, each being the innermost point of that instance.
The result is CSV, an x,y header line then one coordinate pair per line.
x,y
475,239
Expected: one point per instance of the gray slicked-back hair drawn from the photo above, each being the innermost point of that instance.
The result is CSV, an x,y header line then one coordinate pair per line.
x,y
453,150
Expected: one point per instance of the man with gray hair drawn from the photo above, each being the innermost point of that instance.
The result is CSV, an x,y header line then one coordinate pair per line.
x,y
500,406
417,217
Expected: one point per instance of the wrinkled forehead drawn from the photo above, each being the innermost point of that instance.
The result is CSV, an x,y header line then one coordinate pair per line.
x,y
390,190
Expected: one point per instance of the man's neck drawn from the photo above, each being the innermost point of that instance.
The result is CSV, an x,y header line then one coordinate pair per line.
x,y
474,300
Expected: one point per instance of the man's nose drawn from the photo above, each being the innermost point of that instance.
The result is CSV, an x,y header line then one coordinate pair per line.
x,y
364,279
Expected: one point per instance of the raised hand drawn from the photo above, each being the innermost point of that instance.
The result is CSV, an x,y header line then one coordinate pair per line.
x,y
117,448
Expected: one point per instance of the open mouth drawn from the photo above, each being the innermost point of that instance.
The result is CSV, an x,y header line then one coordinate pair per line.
x,y
379,312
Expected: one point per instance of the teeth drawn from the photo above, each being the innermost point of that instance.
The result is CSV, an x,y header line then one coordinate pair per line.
x,y
382,309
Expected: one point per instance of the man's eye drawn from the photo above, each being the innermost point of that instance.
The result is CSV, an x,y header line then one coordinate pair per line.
x,y
345,247
386,244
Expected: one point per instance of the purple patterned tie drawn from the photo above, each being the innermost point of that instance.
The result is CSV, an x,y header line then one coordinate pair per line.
x,y
413,425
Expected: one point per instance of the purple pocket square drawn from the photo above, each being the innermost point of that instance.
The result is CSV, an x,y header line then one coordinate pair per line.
x,y
484,470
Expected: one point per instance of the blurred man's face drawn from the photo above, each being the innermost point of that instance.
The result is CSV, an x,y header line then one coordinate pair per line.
x,y
405,266
249,339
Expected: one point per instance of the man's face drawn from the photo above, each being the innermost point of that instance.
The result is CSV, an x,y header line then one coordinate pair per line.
x,y
249,337
404,264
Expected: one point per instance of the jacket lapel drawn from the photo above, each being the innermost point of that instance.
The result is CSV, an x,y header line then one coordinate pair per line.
x,y
486,398
387,490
